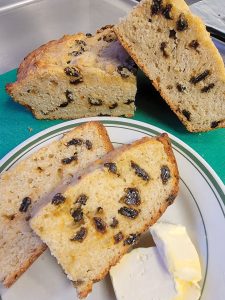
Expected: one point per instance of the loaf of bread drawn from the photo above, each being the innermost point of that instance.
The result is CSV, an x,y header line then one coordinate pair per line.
x,y
173,48
77,76
30,180
89,224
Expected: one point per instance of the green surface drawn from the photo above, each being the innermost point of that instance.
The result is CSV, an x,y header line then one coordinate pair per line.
x,y
18,124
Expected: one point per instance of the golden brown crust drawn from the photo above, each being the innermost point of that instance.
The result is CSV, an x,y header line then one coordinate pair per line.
x,y
9,280
164,139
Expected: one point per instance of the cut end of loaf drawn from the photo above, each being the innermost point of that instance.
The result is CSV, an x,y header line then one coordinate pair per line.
x,y
101,219
175,51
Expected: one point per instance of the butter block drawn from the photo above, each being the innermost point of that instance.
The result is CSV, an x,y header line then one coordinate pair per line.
x,y
141,275
177,251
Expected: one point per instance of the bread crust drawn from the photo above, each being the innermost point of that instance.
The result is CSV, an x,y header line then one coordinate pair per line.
x,y
10,279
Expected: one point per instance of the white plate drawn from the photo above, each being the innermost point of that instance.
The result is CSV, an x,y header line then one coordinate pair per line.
x,y
199,207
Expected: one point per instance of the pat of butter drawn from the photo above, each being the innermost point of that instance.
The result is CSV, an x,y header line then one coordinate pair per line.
x,y
141,275
187,290
177,251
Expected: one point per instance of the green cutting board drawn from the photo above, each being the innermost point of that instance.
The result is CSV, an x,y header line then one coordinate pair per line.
x,y
18,124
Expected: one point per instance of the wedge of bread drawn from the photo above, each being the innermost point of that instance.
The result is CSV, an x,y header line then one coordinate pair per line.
x,y
90,223
31,179
173,48
77,76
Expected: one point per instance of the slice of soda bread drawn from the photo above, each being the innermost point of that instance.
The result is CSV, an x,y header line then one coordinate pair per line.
x,y
173,48
77,76
90,223
32,178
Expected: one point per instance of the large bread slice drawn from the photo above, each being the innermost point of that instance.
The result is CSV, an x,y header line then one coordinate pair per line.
x,y
173,48
103,211
77,76
31,179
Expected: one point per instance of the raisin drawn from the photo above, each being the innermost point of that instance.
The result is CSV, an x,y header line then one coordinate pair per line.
x,y
26,202
187,114
128,212
165,174
111,167
156,7
76,53
95,102
88,144
88,34
214,124
194,44
68,61
103,115
10,217
100,225
118,237
172,34
68,160
76,81
129,101
78,282
139,171
75,142
170,199
200,77
80,42
64,104
182,23
82,199
166,11
114,223
131,239
150,20
58,199
69,96
99,209
104,27
71,71
99,39
114,105
80,236
109,37
163,46
132,197
207,88
77,214
181,88
28,218
123,71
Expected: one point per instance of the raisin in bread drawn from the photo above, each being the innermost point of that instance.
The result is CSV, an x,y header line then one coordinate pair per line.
x,y
30,180
91,223
77,76
173,48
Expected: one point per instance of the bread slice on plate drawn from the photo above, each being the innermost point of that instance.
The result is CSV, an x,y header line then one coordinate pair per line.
x,y
31,179
173,48
90,223
77,76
